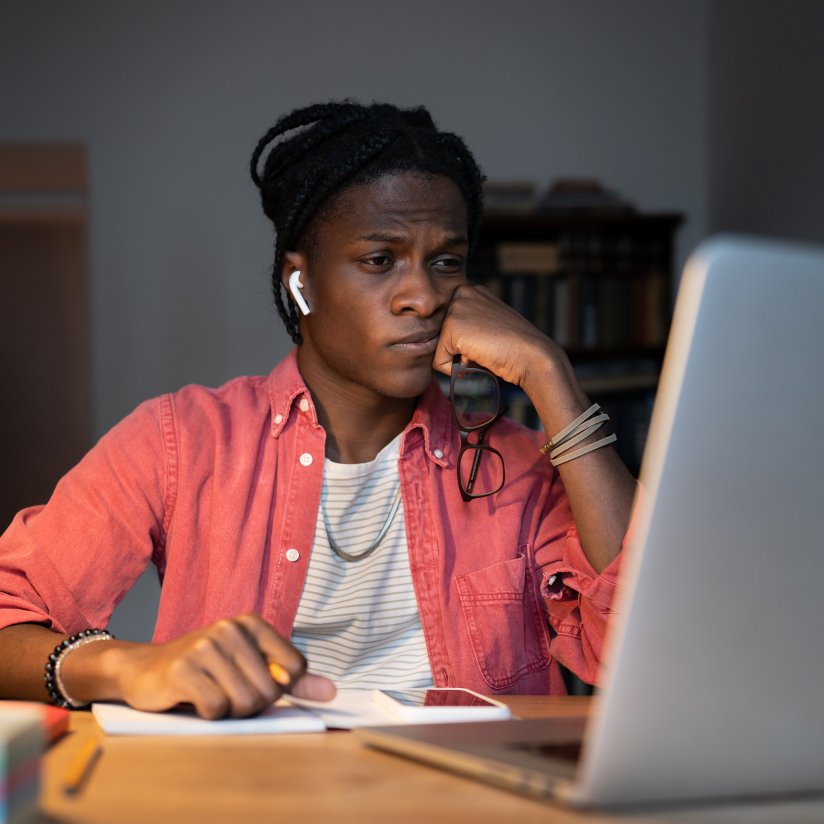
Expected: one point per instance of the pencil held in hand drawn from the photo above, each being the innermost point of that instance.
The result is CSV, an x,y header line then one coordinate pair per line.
x,y
279,674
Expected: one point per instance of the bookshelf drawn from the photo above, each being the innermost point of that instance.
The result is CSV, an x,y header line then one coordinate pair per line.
x,y
600,284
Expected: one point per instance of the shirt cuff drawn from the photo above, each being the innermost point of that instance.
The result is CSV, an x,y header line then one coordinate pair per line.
x,y
15,611
573,576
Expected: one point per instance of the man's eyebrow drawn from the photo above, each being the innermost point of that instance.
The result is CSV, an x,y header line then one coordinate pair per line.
x,y
389,237
382,237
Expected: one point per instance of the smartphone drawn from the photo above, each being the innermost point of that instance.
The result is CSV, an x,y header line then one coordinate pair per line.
x,y
440,705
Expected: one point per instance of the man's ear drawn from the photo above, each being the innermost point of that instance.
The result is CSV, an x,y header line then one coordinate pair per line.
x,y
294,276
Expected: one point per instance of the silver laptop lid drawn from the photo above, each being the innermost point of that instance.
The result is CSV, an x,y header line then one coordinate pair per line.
x,y
715,678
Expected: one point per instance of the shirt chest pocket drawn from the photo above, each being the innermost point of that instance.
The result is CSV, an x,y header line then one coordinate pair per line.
x,y
504,620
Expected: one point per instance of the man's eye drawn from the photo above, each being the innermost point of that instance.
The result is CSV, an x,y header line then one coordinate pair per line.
x,y
378,261
449,264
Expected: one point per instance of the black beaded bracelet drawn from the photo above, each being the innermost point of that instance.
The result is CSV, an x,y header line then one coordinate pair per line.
x,y
54,684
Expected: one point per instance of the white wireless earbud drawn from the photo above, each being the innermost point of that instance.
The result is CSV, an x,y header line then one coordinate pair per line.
x,y
294,287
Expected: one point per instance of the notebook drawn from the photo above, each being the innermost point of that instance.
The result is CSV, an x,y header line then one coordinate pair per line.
x,y
118,719
713,679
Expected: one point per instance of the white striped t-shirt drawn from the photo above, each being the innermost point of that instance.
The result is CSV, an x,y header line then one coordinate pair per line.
x,y
358,621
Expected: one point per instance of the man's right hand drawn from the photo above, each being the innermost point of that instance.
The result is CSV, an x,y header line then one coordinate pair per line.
x,y
221,670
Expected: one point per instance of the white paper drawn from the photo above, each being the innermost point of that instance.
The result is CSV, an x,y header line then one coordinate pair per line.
x,y
118,719
348,710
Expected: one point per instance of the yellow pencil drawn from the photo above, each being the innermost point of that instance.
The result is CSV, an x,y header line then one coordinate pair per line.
x,y
280,674
81,766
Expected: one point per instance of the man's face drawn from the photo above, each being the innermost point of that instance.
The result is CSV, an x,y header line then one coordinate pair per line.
x,y
385,263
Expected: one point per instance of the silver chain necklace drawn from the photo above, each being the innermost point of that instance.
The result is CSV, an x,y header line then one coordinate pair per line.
x,y
348,556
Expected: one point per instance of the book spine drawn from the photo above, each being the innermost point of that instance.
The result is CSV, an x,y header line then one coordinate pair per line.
x,y
518,294
560,312
590,320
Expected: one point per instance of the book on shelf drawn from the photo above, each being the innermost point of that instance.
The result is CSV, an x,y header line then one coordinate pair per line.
x,y
518,408
495,285
591,311
544,303
588,290
592,274
528,258
615,320
560,314
518,293
573,312
630,416
655,311
610,384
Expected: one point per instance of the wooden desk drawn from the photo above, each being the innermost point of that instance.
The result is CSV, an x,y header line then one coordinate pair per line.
x,y
325,778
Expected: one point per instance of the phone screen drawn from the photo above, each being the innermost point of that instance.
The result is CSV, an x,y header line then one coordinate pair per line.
x,y
437,698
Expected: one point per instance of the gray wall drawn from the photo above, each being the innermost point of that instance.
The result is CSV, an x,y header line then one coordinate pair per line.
x,y
766,105
171,97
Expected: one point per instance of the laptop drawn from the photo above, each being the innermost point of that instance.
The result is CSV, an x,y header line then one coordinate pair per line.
x,y
714,681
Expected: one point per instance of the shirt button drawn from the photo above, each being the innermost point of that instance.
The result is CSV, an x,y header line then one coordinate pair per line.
x,y
438,453
278,418
292,555
306,459
303,405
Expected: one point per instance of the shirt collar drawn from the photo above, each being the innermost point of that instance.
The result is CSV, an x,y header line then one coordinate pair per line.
x,y
430,424
287,390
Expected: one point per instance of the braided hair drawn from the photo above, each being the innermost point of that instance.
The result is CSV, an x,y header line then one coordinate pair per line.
x,y
322,149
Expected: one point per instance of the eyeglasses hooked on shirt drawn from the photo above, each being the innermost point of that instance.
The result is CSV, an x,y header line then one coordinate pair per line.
x,y
475,395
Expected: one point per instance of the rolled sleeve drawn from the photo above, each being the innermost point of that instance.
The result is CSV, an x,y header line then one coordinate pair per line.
x,y
573,576
578,600
29,583
68,563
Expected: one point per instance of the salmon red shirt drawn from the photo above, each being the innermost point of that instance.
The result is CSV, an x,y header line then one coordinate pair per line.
x,y
220,488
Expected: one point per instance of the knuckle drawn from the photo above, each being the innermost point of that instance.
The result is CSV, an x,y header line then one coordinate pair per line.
x,y
270,691
213,707
227,630
246,705
223,625
179,669
204,646
298,665
249,620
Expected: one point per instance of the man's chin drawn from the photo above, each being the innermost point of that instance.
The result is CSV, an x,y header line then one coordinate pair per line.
x,y
412,385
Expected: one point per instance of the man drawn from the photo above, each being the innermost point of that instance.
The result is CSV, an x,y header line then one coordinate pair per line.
x,y
242,495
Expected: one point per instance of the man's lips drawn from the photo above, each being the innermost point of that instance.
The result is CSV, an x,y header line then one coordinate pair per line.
x,y
418,343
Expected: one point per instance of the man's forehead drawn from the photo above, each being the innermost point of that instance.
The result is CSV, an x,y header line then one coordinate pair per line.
x,y
394,201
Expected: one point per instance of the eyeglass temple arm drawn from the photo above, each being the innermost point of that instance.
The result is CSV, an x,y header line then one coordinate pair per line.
x,y
470,484
477,459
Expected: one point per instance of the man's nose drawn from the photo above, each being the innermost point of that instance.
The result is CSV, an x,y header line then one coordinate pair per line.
x,y
420,291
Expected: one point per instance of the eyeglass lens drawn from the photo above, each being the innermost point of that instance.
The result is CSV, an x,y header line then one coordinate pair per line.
x,y
476,398
481,471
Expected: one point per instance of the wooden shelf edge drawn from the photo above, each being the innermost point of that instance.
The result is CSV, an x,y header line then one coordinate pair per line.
x,y
605,384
